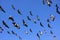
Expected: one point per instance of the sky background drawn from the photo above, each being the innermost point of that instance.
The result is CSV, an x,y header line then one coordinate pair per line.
x,y
37,8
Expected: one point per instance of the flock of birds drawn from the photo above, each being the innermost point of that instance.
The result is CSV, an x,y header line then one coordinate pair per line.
x,y
39,34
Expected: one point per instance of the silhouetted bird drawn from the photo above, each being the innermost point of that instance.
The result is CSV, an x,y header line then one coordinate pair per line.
x,y
1,9
51,32
54,37
52,17
30,30
16,25
4,23
28,18
19,12
8,32
1,29
43,1
31,13
49,26
24,23
11,18
48,20
57,10
38,36
13,7
41,24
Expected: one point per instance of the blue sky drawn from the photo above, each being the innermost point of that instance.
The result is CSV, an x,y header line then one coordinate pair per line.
x,y
37,8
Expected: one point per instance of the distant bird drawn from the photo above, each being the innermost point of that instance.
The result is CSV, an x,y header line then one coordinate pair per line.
x,y
51,32
43,1
54,37
57,10
49,2
31,13
16,25
52,17
41,24
13,7
19,12
26,32
45,31
41,32
1,29
38,18
8,32
28,18
4,23
49,26
24,23
48,20
11,18
1,9
30,30
34,21
20,38
38,36
14,33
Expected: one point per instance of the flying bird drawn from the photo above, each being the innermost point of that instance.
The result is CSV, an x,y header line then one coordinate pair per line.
x,y
48,20
41,32
43,2
28,18
49,2
30,30
49,26
16,25
34,21
1,9
31,13
57,10
13,7
8,32
54,37
24,23
19,12
11,18
52,17
4,23
38,18
38,36
51,32
41,24
1,29
26,32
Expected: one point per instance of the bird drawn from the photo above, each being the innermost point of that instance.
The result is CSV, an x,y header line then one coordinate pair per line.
x,y
48,20
54,37
11,18
13,7
26,32
52,17
24,23
28,18
41,24
19,12
16,25
38,18
49,26
40,32
1,9
30,30
4,23
8,32
14,33
49,2
31,13
57,9
38,36
34,21
51,32
1,29
43,2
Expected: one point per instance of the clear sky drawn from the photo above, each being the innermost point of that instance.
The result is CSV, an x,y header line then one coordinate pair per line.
x,y
37,8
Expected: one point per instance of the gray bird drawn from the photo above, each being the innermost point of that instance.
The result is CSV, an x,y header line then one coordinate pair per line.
x,y
16,25
4,23
38,18
24,23
11,18
1,9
